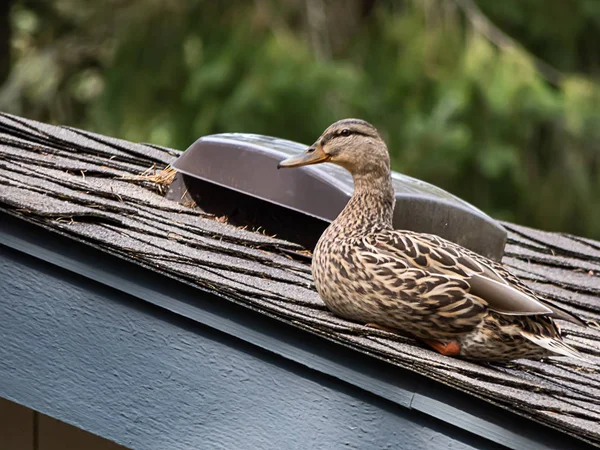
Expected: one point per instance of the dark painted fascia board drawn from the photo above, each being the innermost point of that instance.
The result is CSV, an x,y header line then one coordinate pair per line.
x,y
128,371
400,386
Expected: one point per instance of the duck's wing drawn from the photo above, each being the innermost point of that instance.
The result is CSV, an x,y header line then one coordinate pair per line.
x,y
487,279
435,300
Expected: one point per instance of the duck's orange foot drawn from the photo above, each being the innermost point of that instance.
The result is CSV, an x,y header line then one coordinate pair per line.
x,y
451,348
381,327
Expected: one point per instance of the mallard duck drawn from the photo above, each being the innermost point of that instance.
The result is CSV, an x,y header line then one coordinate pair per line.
x,y
455,300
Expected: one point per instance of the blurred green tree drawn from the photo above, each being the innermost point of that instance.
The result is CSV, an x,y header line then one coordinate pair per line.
x,y
497,102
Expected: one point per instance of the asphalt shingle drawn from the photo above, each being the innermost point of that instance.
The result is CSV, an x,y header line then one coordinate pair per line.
x,y
89,186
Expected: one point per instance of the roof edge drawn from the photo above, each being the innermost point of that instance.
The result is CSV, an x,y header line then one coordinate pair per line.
x,y
177,296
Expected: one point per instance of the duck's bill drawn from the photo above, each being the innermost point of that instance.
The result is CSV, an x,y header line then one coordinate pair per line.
x,y
313,155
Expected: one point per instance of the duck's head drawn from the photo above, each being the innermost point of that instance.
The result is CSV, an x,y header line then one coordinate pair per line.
x,y
351,143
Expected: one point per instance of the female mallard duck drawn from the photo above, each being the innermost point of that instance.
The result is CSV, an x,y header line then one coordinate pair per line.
x,y
457,301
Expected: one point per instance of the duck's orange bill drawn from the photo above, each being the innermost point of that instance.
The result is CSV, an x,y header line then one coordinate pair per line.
x,y
313,155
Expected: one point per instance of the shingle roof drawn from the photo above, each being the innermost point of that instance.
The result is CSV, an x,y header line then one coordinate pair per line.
x,y
89,187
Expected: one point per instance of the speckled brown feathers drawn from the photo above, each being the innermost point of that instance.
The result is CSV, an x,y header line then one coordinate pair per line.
x,y
366,271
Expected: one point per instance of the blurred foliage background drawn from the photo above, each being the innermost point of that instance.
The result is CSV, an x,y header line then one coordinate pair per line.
x,y
495,101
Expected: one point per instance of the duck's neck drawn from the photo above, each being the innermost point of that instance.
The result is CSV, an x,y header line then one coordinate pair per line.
x,y
371,207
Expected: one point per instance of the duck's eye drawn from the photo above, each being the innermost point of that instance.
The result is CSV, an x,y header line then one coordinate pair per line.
x,y
345,132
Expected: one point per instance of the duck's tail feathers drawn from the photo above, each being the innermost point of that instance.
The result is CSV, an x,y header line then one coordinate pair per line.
x,y
555,345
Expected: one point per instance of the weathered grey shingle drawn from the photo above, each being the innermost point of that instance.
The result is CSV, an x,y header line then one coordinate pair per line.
x,y
88,186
